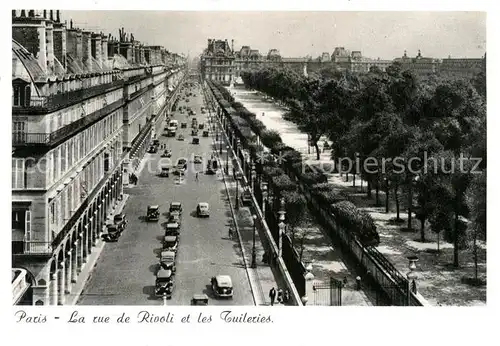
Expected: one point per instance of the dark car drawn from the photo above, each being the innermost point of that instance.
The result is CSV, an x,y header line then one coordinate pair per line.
x,y
175,206
120,220
164,284
171,243
153,213
153,149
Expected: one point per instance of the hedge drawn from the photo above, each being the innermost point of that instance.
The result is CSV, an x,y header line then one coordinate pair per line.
x,y
357,221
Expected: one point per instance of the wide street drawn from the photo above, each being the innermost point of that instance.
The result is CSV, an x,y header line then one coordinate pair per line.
x,y
125,272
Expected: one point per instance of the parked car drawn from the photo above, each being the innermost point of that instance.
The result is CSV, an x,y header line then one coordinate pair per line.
x,y
112,234
222,286
167,260
164,284
180,137
172,228
153,213
153,149
167,153
246,198
165,171
202,210
120,221
196,140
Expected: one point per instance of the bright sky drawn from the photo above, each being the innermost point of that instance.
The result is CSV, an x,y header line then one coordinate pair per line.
x,y
376,34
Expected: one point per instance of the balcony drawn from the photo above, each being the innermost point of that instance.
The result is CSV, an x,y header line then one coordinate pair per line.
x,y
46,104
54,138
40,248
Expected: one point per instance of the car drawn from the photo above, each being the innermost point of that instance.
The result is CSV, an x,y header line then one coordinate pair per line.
x,y
153,149
153,213
196,140
167,153
165,172
174,217
198,159
222,286
199,299
156,142
181,164
246,198
203,210
171,243
175,206
164,284
120,220
180,138
167,260
172,228
113,233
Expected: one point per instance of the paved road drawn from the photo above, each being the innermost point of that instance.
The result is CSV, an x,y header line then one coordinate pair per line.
x,y
125,272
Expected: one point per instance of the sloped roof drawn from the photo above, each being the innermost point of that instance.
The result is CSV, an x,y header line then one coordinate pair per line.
x,y
120,62
73,65
22,58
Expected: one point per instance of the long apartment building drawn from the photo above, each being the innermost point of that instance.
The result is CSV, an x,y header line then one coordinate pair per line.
x,y
84,106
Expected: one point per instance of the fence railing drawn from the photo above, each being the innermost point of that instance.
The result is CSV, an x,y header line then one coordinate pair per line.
x,y
34,247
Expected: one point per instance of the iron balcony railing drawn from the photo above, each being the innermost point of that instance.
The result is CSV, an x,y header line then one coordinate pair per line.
x,y
66,99
50,139
34,247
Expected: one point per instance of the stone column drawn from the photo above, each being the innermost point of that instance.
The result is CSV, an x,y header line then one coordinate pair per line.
x,y
75,265
53,288
61,283
41,293
92,231
69,271
86,242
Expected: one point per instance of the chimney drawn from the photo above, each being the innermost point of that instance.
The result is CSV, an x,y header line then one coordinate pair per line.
x,y
104,51
59,34
87,49
30,32
49,34
96,49
232,46
74,43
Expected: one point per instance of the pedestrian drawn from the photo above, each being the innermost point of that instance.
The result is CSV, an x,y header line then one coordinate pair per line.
x,y
196,176
286,297
280,296
358,282
272,295
345,281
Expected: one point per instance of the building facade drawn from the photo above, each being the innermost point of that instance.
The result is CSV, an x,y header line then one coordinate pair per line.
x,y
218,61
464,67
82,106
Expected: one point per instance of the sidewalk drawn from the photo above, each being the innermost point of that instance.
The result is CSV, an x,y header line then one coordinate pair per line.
x,y
86,271
262,278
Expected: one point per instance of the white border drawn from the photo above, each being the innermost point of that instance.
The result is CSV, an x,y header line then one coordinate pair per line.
x,y
296,326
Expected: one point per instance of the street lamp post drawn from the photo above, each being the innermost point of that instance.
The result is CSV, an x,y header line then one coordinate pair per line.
x,y
386,181
281,225
410,200
236,200
412,276
227,158
264,198
221,141
253,176
254,263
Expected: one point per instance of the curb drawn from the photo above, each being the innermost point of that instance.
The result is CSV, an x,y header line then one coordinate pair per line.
x,y
92,263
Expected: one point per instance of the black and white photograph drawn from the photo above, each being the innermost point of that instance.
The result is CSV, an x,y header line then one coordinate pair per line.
x,y
248,158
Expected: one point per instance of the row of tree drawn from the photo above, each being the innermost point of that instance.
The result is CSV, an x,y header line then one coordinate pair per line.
x,y
435,127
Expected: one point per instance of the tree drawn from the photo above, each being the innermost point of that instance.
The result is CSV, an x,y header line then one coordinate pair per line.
x,y
476,200
296,209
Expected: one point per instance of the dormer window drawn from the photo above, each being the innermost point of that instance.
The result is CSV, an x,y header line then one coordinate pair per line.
x,y
21,92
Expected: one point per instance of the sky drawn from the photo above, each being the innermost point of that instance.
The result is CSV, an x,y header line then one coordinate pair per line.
x,y
384,35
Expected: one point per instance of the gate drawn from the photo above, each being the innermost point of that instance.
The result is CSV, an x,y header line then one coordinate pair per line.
x,y
327,293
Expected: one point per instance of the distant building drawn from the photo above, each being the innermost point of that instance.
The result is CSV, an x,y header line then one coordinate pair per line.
x,y
419,64
218,61
465,67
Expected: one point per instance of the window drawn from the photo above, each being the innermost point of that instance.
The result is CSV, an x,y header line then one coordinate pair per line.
x,y
18,132
27,223
18,174
18,219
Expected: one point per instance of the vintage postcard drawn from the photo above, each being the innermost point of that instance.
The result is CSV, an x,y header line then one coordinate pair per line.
x,y
247,159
